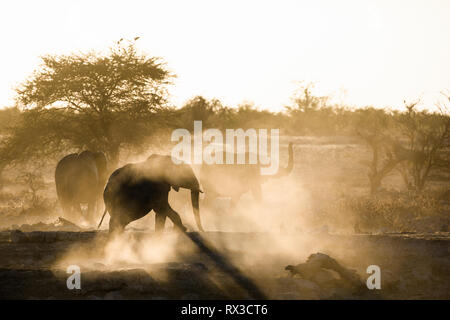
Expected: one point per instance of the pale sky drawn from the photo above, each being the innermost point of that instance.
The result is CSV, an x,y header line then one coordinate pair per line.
x,y
379,52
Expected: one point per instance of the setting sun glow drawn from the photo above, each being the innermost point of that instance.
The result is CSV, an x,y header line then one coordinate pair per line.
x,y
361,52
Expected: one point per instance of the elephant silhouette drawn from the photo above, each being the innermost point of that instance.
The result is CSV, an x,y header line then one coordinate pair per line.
x,y
233,180
136,189
80,178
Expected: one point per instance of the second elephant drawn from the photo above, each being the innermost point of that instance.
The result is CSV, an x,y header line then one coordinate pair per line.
x,y
233,180
80,178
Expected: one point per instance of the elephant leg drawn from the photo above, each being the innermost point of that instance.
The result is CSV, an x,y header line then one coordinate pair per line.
x,y
172,214
175,217
115,226
160,221
77,208
66,207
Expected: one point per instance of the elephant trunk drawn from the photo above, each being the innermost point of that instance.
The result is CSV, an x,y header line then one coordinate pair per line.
x,y
195,207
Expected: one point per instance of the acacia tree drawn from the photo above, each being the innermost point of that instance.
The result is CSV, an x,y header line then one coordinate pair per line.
x,y
311,113
428,136
197,108
91,100
374,127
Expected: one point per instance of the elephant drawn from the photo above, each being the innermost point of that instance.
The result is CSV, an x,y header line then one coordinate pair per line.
x,y
233,180
135,189
80,178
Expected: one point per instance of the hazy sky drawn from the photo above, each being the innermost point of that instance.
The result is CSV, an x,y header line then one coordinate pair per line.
x,y
380,52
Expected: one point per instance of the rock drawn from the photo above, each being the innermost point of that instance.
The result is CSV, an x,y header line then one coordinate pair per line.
x,y
325,261
323,277
305,270
317,267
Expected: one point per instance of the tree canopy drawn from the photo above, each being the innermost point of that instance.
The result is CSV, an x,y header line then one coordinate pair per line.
x,y
90,100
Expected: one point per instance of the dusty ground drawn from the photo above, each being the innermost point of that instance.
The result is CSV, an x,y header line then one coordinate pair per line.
x,y
309,210
33,265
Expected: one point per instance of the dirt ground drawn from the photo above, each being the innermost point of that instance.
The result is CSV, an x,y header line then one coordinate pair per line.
x,y
319,208
33,265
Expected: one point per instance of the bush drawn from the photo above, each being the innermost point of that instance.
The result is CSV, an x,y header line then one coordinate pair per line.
x,y
398,212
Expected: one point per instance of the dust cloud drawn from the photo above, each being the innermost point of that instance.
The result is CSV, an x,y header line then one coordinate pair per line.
x,y
260,238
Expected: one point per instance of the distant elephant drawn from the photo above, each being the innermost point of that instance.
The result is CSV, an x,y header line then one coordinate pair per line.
x,y
80,178
233,180
135,189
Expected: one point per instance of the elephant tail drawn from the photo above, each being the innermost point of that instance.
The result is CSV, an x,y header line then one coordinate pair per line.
x,y
103,216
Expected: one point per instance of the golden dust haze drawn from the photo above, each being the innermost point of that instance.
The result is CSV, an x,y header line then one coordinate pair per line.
x,y
359,185
363,52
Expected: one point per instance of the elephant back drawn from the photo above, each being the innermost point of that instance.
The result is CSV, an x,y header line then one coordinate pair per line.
x,y
177,175
102,166
77,177
87,164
